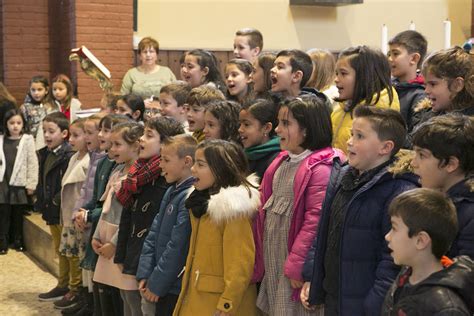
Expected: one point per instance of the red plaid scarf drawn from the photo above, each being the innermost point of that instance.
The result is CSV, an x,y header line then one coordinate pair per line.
x,y
143,171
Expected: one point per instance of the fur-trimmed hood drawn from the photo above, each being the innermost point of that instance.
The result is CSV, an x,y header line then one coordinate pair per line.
x,y
234,202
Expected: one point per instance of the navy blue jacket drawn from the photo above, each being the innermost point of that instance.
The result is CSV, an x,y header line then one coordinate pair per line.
x,y
48,191
166,247
409,95
462,195
366,267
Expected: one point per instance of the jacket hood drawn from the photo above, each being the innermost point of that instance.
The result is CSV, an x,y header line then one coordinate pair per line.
x,y
319,94
412,85
402,162
458,277
235,202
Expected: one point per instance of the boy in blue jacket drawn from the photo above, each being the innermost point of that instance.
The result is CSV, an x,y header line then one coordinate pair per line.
x,y
444,161
166,247
349,268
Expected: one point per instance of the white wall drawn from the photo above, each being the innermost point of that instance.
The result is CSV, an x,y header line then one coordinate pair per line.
x,y
211,24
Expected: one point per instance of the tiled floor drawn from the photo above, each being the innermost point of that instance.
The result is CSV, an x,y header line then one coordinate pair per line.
x,y
21,280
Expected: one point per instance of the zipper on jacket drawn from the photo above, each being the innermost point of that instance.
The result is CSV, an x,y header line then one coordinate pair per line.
x,y
197,277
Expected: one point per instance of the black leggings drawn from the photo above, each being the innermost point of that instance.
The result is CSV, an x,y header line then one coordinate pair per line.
x,y
11,224
110,301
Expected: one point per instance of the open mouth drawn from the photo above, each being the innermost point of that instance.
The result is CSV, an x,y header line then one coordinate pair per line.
x,y
274,80
191,122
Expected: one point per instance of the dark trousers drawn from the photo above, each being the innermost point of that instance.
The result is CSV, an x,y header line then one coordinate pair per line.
x,y
96,301
165,305
11,224
110,301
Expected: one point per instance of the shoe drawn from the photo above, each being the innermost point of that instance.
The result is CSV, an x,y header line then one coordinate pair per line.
x,y
54,295
74,309
69,300
18,246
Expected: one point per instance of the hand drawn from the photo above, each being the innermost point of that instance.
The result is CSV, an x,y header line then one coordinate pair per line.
x,y
79,219
142,285
221,313
304,296
296,284
150,296
107,250
30,191
96,245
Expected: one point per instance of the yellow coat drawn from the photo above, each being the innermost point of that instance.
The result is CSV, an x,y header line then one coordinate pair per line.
x,y
221,257
342,120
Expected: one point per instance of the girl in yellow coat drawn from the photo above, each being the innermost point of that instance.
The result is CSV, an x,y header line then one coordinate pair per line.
x,y
362,77
221,255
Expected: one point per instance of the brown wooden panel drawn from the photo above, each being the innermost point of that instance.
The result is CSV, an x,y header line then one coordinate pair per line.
x,y
222,58
173,61
163,57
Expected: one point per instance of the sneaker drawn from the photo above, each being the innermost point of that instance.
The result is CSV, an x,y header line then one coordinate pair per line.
x,y
54,295
69,300
74,309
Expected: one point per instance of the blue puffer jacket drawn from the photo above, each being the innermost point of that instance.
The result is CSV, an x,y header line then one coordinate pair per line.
x,y
166,247
366,267
462,195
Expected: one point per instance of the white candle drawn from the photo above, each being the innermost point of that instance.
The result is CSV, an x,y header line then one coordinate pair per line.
x,y
412,26
447,33
384,43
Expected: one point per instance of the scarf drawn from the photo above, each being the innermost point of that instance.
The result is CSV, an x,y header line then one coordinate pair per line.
x,y
142,172
260,151
197,202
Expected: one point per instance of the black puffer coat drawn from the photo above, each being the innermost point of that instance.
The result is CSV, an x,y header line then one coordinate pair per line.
x,y
447,292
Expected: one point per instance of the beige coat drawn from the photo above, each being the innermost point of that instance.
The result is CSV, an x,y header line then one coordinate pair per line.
x,y
71,185
221,257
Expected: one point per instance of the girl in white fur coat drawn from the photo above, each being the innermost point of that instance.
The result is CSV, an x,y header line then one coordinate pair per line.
x,y
18,178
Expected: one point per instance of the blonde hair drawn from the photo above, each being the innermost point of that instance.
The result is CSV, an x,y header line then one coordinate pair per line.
x,y
324,67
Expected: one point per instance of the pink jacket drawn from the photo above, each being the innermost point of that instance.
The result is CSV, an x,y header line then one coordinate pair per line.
x,y
310,184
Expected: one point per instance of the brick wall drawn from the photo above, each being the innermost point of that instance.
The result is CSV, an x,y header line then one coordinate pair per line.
x,y
37,36
105,27
25,43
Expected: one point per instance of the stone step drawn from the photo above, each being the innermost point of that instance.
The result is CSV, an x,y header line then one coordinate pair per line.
x,y
39,243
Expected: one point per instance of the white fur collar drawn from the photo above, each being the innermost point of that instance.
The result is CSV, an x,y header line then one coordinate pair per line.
x,y
233,202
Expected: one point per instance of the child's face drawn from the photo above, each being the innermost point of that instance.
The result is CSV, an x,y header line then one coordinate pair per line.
x,y
150,144
123,108
437,90
152,109
290,132
428,168
192,73
402,247
345,79
148,56
195,117
251,131
174,168
364,148
60,91
121,151
53,136
15,126
201,171
212,126
258,78
169,107
236,81
104,139
242,48
92,132
77,138
38,91
282,75
401,62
